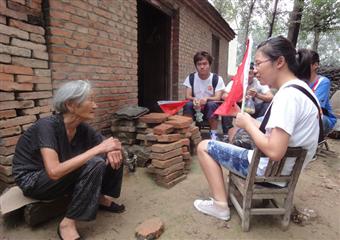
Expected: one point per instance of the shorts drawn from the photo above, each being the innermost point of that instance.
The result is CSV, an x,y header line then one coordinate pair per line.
x,y
232,157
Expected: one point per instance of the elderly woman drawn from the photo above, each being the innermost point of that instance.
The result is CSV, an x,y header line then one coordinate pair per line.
x,y
61,154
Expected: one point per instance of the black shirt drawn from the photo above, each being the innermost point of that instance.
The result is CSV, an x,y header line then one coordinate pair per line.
x,y
48,132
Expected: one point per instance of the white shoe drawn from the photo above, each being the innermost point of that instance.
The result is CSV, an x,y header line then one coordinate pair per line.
x,y
213,136
211,208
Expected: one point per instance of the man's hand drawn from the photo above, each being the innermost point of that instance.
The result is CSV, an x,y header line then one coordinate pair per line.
x,y
252,92
114,158
203,101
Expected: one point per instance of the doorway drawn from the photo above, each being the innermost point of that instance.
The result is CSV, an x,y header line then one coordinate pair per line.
x,y
154,29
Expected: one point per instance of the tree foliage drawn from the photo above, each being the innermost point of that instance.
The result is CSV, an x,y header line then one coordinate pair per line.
x,y
320,26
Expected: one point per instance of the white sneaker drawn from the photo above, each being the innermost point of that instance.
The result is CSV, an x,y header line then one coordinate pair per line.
x,y
211,208
213,136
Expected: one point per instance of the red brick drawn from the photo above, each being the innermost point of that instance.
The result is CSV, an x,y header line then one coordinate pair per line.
x,y
197,140
162,148
17,51
196,135
22,2
40,55
26,126
16,104
37,110
7,114
185,142
27,27
2,19
168,137
5,58
163,129
37,38
186,155
9,141
185,149
42,72
180,123
43,86
33,79
166,163
7,150
172,182
167,155
154,118
6,77
6,170
10,131
44,102
166,171
181,118
16,69
171,176
27,62
34,95
60,15
4,39
47,114
4,96
6,160
13,86
17,121
11,13
150,229
194,129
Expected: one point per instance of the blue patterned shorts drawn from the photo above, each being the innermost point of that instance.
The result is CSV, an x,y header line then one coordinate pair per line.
x,y
234,158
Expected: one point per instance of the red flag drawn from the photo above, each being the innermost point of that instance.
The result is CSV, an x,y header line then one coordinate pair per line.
x,y
229,106
171,107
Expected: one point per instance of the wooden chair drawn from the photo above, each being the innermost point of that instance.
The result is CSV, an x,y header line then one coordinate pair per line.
x,y
260,187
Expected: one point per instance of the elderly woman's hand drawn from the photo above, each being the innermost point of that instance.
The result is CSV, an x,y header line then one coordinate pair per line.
x,y
109,145
114,158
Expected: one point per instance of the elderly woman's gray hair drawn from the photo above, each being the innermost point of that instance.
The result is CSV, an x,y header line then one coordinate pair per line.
x,y
75,91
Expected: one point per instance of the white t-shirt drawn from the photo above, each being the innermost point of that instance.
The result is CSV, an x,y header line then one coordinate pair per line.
x,y
262,89
297,115
204,88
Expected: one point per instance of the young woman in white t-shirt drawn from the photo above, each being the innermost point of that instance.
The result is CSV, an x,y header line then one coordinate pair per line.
x,y
278,65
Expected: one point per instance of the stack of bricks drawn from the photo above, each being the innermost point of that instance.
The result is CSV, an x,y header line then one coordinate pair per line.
x,y
124,130
25,80
168,137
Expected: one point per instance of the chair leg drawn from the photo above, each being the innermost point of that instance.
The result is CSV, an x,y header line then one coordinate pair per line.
x,y
326,145
288,205
246,213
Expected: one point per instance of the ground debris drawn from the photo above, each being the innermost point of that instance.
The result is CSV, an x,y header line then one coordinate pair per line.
x,y
303,216
150,229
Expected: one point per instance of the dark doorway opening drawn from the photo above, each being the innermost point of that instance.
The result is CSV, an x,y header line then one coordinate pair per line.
x,y
154,29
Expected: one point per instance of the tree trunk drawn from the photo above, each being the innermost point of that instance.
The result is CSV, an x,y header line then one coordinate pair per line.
x,y
247,22
295,21
271,26
316,39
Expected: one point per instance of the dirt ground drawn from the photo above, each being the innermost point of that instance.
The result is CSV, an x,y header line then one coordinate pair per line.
x,y
318,189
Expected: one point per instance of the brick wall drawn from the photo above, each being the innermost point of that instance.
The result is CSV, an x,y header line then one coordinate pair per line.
x,y
196,35
96,40
25,80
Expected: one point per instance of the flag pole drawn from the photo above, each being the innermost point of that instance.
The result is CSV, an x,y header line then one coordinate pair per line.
x,y
246,71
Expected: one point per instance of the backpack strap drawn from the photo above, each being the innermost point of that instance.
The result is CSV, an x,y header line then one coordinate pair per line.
x,y
214,81
191,80
310,96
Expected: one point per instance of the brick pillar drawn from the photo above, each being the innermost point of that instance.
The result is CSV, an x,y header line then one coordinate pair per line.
x,y
25,78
